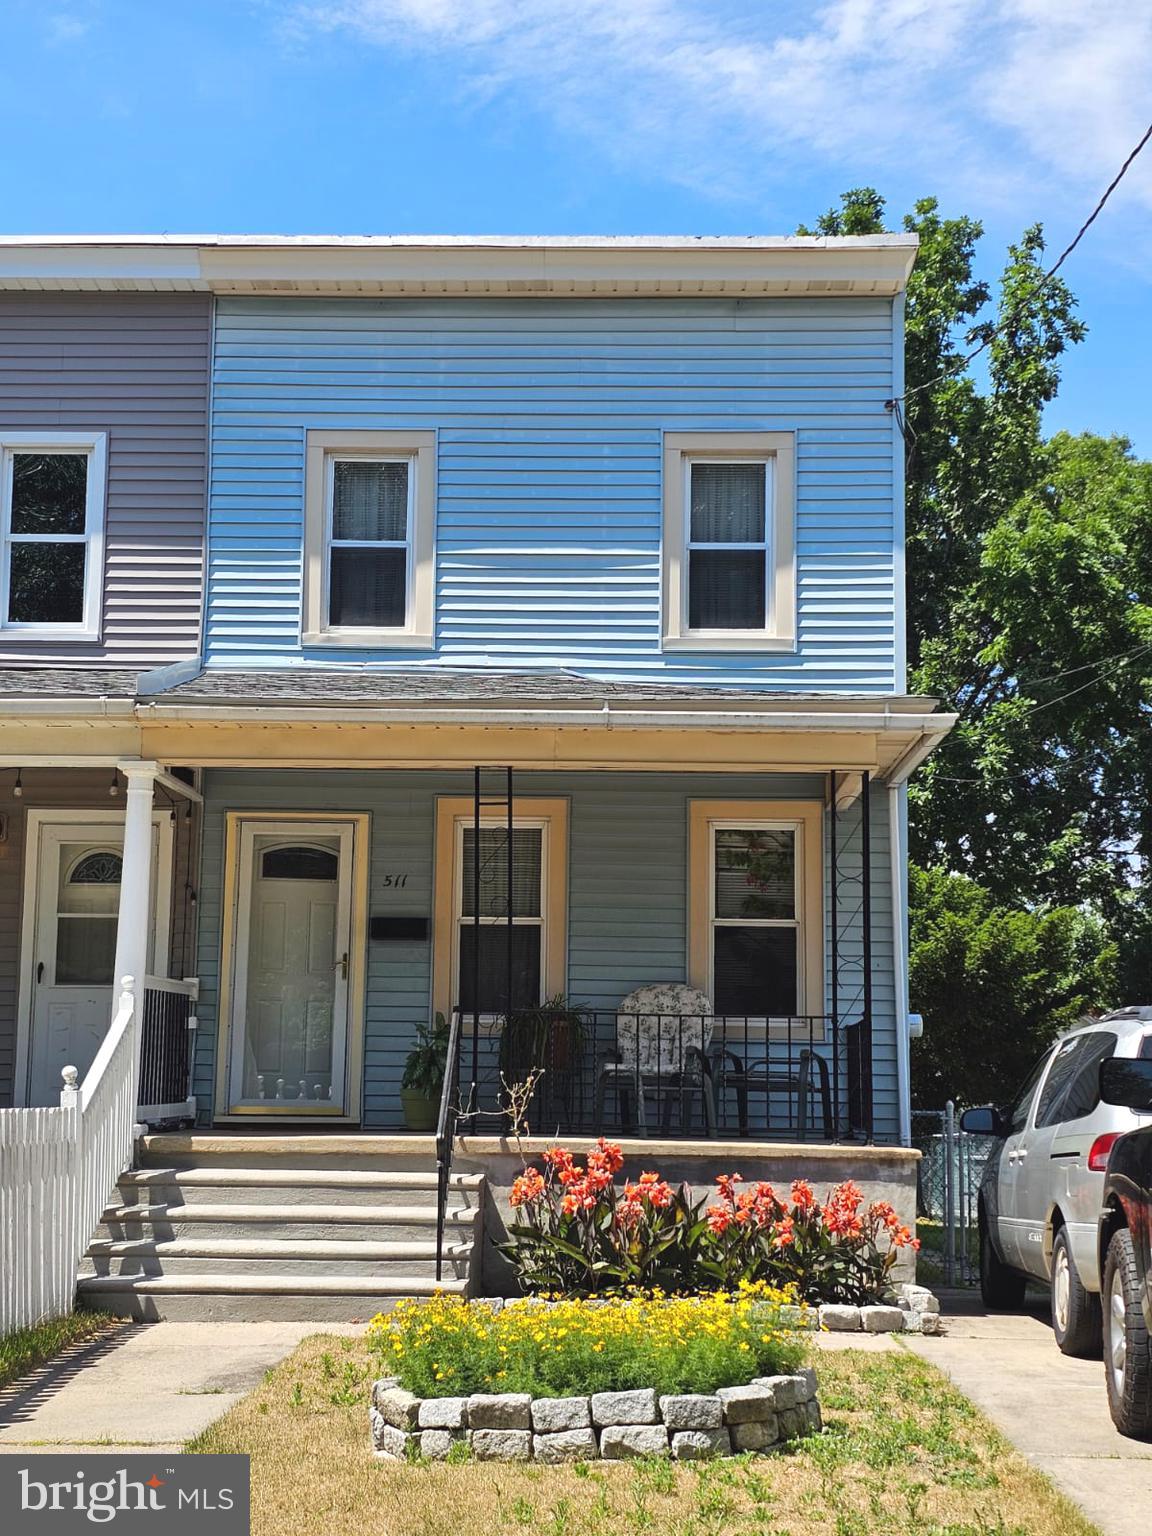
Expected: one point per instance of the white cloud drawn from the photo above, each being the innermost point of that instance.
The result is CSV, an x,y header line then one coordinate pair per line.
x,y
1007,100
63,28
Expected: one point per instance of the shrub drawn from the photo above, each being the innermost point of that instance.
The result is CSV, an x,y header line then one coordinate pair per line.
x,y
580,1235
450,1347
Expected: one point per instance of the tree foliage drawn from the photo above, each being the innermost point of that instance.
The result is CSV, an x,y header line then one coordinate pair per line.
x,y
1029,570
1029,594
995,984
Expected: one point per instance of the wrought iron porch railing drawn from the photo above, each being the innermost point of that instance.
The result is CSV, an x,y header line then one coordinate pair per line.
x,y
446,1119
167,1050
602,1072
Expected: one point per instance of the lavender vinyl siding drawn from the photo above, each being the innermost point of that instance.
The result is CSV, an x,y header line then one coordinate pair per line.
x,y
136,367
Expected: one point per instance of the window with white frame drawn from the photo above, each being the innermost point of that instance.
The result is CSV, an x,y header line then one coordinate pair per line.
x,y
729,545
369,513
755,919
369,552
51,533
484,964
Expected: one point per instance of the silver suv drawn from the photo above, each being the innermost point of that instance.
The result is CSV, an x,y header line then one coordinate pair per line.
x,y
1043,1185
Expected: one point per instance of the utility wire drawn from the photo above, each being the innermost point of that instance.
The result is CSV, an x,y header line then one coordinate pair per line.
x,y
962,362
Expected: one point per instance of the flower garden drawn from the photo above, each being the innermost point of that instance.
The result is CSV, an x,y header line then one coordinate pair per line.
x,y
651,1321
579,1233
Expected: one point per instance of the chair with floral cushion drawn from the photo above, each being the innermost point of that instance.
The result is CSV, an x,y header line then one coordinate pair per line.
x,y
662,1038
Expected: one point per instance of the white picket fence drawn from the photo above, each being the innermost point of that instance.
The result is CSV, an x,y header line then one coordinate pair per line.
x,y
57,1169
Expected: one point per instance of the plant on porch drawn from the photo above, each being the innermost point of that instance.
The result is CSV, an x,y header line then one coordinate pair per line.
x,y
424,1075
579,1234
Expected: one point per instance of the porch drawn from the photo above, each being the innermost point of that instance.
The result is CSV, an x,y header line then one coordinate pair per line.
x,y
740,898
335,911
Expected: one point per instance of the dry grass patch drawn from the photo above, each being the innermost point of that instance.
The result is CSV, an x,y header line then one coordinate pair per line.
x,y
904,1454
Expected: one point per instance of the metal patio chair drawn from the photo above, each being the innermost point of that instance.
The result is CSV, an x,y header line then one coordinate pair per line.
x,y
662,1038
802,1081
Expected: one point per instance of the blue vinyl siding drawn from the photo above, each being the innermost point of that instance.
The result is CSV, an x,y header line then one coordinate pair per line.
x,y
550,417
628,896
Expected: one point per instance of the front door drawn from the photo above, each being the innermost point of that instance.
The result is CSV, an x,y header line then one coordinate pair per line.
x,y
74,892
290,1012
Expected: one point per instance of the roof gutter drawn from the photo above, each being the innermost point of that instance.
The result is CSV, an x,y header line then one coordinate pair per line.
x,y
606,717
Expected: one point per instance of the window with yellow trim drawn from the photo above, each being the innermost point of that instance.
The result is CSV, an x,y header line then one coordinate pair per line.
x,y
493,964
756,908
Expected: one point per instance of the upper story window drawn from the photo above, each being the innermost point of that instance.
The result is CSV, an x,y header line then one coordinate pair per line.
x,y
52,534
369,516
729,545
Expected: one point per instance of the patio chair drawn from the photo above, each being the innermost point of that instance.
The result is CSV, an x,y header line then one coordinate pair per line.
x,y
802,1081
662,1038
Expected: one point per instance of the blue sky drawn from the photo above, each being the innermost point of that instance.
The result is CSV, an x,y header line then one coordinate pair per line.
x,y
598,116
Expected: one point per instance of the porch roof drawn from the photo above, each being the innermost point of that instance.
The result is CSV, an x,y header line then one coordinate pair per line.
x,y
346,716
267,688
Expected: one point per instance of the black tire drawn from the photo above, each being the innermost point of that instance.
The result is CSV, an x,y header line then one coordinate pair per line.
x,y
1000,1287
1127,1348
1077,1321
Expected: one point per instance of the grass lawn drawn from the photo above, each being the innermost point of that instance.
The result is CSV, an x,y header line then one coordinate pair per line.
x,y
904,1454
24,1350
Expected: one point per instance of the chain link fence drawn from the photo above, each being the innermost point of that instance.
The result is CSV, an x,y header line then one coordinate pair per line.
x,y
947,1196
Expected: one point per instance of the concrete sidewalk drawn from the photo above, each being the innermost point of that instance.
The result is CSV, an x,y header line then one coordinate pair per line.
x,y
1052,1408
145,1386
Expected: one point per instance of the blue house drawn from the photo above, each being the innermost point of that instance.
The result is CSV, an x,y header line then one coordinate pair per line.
x,y
551,683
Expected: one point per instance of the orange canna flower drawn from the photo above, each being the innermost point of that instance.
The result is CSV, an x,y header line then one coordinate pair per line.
x,y
527,1188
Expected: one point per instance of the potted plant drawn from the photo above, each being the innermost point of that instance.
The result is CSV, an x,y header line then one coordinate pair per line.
x,y
423,1079
550,1040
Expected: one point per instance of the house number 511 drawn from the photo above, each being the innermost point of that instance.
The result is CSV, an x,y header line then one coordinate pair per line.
x,y
395,882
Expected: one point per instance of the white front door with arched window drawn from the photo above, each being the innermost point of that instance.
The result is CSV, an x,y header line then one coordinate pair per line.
x,y
293,968
72,900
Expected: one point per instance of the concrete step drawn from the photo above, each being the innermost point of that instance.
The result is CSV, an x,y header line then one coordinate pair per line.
x,y
329,1223
388,1152
308,1226
292,1186
220,1297
248,1257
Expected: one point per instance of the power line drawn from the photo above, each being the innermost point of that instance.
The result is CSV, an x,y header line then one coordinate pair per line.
x,y
962,362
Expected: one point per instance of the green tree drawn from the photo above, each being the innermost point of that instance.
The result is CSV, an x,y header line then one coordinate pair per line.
x,y
1029,591
995,985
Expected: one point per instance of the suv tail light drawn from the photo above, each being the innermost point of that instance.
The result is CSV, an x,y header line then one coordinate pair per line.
x,y
1101,1147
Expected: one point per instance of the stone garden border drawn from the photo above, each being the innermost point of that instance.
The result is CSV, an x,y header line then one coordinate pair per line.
x,y
610,1426
914,1310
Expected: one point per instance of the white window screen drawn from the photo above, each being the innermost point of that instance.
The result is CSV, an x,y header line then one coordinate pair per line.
x,y
727,546
369,546
47,538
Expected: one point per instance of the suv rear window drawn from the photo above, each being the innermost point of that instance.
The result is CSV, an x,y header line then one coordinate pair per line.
x,y
1061,1073
1018,1114
1084,1090
1145,1052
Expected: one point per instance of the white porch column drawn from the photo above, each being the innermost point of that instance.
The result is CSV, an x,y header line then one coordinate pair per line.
x,y
136,899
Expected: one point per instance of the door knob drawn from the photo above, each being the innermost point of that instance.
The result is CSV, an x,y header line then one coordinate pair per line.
x,y
40,972
342,966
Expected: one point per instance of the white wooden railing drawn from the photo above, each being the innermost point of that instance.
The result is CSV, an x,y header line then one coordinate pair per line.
x,y
57,1169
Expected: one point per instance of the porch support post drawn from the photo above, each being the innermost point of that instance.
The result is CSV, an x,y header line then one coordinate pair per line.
x,y
135,914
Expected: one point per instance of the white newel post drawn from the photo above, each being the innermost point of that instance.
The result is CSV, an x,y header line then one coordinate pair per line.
x,y
134,922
